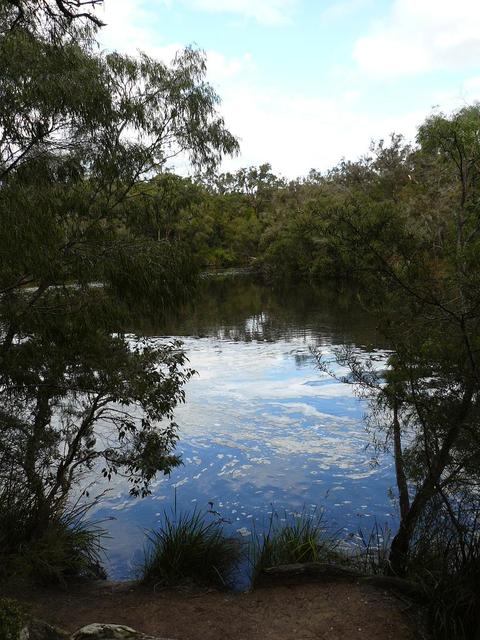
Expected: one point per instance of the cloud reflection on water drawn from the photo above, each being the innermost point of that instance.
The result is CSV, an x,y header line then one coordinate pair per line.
x,y
261,426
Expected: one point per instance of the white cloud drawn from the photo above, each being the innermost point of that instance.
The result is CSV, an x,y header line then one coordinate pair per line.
x,y
293,132
264,11
220,68
270,12
126,27
341,9
471,89
297,133
465,93
420,36
129,30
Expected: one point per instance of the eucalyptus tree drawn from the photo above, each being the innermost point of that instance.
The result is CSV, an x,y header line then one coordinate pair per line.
x,y
79,130
424,290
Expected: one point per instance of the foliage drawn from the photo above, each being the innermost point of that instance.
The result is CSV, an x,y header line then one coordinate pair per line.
x,y
189,547
216,229
69,546
420,282
445,561
80,132
12,617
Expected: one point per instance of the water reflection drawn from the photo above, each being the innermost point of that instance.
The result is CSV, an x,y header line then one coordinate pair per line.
x,y
245,309
262,428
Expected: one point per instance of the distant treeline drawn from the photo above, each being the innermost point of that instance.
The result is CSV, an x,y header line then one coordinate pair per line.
x,y
289,228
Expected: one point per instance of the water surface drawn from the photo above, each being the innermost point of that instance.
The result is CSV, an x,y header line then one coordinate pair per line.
x,y
262,428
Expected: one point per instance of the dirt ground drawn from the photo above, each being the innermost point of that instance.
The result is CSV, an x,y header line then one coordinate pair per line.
x,y
332,611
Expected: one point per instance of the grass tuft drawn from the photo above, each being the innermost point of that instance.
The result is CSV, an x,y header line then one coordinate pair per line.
x,y
299,538
370,551
70,546
188,547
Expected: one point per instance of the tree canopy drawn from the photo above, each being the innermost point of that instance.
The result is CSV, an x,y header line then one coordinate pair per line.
x,y
80,131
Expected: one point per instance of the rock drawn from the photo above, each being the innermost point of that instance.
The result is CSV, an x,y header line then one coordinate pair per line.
x,y
100,631
39,630
319,571
306,572
106,632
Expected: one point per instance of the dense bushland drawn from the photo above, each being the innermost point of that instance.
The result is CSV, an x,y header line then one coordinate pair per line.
x,y
85,195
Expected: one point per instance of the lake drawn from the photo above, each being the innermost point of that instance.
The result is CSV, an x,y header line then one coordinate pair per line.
x,y
262,429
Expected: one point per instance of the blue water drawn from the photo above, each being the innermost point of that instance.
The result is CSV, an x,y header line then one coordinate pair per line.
x,y
262,428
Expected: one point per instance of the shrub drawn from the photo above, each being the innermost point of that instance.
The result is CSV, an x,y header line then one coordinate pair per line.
x,y
69,546
454,601
12,617
189,547
445,561
67,549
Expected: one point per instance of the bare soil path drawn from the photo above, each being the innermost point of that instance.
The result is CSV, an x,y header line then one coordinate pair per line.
x,y
333,611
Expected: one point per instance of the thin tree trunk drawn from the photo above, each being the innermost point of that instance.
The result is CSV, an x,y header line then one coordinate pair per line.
x,y
401,543
34,481
401,477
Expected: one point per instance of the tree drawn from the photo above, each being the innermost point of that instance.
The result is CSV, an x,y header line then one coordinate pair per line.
x,y
59,13
161,203
79,131
427,304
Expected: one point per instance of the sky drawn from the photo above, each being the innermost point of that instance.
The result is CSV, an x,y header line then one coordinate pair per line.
x,y
305,83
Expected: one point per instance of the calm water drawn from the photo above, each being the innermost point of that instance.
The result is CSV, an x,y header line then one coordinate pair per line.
x,y
262,428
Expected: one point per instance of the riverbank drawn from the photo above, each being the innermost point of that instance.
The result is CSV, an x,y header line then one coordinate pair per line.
x,y
336,611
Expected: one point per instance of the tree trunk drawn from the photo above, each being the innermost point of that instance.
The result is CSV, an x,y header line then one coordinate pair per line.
x,y
401,477
33,479
400,546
